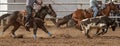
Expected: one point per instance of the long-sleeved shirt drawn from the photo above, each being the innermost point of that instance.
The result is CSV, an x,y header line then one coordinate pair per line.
x,y
93,3
31,2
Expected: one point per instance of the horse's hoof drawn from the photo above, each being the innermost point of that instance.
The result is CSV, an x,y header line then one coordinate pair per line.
x,y
19,36
52,36
89,37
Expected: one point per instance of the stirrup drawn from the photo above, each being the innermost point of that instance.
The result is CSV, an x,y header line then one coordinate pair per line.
x,y
27,24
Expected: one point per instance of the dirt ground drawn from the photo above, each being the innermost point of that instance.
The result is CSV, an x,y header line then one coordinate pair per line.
x,y
63,37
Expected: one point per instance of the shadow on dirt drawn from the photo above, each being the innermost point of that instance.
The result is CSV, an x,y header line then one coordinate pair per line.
x,y
107,37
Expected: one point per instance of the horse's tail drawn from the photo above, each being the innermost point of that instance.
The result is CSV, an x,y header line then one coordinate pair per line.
x,y
4,16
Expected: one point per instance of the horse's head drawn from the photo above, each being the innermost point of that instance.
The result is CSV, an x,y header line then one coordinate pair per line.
x,y
110,7
47,9
50,10
114,7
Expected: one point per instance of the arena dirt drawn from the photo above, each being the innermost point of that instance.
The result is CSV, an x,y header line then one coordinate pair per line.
x,y
63,37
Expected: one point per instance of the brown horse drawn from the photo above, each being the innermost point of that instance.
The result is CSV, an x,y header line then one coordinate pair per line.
x,y
80,14
17,19
74,17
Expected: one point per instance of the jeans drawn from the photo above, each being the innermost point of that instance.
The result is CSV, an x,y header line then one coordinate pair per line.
x,y
29,11
95,9
103,6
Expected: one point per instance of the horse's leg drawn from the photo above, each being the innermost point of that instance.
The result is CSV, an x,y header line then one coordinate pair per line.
x,y
57,24
53,20
16,26
45,30
35,31
5,28
27,29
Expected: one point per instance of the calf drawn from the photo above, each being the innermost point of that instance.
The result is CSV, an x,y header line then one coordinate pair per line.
x,y
100,22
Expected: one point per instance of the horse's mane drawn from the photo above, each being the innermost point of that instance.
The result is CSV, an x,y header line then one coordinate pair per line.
x,y
40,11
42,8
16,12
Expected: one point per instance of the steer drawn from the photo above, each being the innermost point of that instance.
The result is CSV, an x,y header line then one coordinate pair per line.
x,y
100,22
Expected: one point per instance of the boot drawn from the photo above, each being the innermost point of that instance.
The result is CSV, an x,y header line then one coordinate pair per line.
x,y
27,21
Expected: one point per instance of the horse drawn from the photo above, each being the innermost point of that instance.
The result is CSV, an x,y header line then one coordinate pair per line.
x,y
17,19
80,14
47,10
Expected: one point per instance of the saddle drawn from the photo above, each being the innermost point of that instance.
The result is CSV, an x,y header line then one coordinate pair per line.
x,y
22,15
89,10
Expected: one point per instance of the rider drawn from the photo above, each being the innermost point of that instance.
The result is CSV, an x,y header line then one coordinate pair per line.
x,y
94,6
29,8
103,4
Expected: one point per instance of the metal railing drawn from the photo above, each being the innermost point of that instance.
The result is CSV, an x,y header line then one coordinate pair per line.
x,y
55,3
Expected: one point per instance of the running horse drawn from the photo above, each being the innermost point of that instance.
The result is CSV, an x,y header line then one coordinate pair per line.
x,y
81,14
17,19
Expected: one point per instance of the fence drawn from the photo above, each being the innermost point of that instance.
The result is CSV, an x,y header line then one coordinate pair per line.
x,y
56,3
78,4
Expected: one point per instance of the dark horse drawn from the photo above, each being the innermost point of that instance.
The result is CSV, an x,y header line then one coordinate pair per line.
x,y
17,19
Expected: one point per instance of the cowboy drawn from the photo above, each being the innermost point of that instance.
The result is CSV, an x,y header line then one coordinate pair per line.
x,y
29,8
94,6
103,4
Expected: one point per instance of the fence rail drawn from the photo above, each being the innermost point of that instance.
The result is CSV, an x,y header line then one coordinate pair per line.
x,y
55,3
19,10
